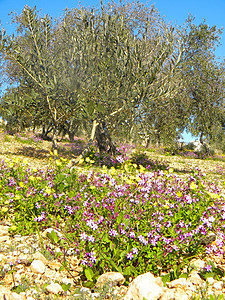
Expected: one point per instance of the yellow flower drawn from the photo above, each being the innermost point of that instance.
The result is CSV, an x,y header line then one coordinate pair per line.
x,y
17,197
179,194
13,228
87,159
193,186
4,210
112,170
48,190
142,169
135,166
55,152
63,159
81,161
128,181
16,160
31,178
171,170
92,161
21,184
58,163
92,187
213,195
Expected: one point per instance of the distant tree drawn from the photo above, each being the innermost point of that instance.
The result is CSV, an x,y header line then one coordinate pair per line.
x,y
204,78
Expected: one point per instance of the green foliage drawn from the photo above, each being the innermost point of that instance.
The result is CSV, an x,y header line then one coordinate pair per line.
x,y
109,219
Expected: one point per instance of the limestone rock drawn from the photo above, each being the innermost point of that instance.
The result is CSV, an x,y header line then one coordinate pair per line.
x,y
38,267
40,256
4,292
218,285
177,283
195,279
114,278
180,294
4,230
144,286
198,264
54,288
15,296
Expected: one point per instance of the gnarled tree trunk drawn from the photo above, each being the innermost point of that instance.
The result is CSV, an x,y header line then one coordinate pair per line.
x,y
103,138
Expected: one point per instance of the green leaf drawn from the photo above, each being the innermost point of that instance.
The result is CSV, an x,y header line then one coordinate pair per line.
x,y
53,236
65,286
89,273
90,107
100,108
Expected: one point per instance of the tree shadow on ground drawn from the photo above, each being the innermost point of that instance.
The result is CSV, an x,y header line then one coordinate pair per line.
x,y
29,151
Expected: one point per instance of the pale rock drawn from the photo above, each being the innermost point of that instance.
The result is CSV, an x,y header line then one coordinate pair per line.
x,y
113,278
40,256
177,283
37,266
4,292
180,294
218,285
4,230
20,296
198,264
4,239
194,278
54,288
54,265
52,274
67,280
210,280
120,291
144,286
168,294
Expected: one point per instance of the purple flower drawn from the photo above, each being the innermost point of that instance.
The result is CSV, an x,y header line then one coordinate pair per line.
x,y
91,238
130,256
120,159
83,236
132,235
113,233
135,251
208,268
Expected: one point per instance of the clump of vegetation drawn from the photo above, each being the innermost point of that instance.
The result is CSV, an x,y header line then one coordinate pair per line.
x,y
130,219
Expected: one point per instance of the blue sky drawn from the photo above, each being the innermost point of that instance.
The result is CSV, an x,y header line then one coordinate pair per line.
x,y
175,11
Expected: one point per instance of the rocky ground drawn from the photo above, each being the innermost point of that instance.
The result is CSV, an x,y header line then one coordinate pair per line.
x,y
28,272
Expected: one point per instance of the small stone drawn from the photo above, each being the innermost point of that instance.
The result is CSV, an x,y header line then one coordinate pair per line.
x,y
40,256
194,278
4,292
38,267
66,280
54,265
180,294
198,264
54,288
218,285
177,283
20,296
168,294
210,280
114,278
4,230
144,286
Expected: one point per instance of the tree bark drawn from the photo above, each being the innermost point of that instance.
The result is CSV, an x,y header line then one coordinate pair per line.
x,y
103,138
89,144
